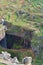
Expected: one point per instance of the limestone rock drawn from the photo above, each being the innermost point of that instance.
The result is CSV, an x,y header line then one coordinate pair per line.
x,y
27,60
13,64
6,55
15,60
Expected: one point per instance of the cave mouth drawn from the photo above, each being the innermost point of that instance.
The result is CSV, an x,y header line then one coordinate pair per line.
x,y
16,41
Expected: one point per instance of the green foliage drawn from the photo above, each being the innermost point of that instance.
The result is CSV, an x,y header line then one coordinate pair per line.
x,y
2,64
35,10
13,53
28,53
32,7
16,46
17,54
20,56
1,49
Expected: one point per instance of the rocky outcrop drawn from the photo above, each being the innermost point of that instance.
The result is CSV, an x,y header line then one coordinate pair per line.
x,y
5,57
27,60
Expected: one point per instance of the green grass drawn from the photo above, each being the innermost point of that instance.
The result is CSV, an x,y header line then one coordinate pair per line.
x,y
8,9
1,26
2,64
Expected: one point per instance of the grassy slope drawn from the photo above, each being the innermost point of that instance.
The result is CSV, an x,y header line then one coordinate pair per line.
x,y
33,7
2,64
8,9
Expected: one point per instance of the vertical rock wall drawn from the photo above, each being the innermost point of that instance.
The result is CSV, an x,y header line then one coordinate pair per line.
x,y
3,42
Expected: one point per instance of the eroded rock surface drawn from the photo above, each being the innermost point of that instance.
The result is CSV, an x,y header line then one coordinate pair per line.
x,y
5,57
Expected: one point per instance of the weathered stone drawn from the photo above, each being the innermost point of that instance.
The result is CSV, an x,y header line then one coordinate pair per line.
x,y
15,60
13,64
6,55
1,57
3,21
27,60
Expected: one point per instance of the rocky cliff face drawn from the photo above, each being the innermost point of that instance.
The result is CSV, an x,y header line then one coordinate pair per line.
x,y
3,43
2,37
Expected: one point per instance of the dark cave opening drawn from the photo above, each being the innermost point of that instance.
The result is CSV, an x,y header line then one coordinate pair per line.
x,y
13,39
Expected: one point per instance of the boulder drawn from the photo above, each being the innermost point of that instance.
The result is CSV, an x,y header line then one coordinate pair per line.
x,y
27,60
6,55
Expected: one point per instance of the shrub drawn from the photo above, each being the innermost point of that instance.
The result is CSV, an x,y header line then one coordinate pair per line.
x,y
28,53
20,56
17,54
